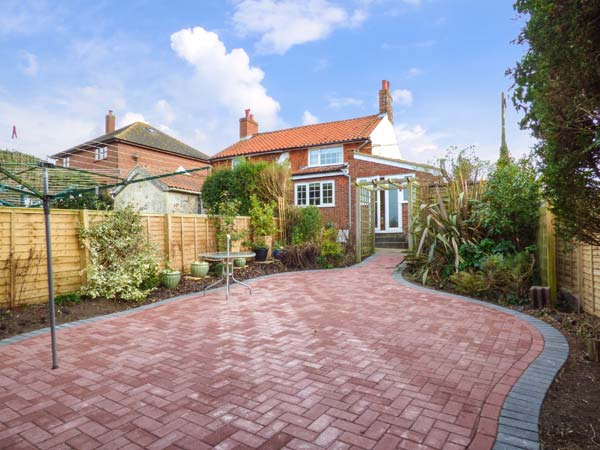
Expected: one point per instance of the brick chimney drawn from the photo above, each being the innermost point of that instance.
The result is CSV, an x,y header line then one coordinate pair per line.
x,y
248,126
385,100
110,122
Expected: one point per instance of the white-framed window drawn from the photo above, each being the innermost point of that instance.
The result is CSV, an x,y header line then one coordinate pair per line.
x,y
236,162
405,193
326,156
317,193
101,153
66,161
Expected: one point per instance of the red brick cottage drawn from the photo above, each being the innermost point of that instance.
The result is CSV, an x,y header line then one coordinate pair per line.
x,y
328,158
140,147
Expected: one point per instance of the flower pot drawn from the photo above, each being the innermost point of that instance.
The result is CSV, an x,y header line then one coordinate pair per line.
x,y
170,280
199,268
276,253
239,262
261,254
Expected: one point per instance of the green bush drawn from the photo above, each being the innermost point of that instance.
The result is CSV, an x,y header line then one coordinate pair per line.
x,y
124,263
509,208
224,213
332,252
240,183
262,217
309,225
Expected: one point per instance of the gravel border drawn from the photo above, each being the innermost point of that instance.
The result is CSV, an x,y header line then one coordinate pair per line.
x,y
518,424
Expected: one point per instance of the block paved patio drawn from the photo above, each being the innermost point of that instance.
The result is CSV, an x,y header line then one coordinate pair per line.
x,y
339,359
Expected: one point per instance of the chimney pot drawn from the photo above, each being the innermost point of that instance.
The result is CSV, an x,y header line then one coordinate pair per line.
x,y
248,126
109,124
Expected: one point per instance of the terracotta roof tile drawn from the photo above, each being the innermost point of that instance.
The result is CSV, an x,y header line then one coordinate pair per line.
x,y
305,136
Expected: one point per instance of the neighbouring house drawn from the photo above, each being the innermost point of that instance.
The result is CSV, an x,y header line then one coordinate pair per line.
x,y
139,148
328,158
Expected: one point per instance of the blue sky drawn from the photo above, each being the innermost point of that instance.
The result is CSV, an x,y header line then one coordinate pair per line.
x,y
191,67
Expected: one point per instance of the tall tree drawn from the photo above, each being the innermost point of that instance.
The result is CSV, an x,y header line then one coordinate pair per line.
x,y
504,153
557,85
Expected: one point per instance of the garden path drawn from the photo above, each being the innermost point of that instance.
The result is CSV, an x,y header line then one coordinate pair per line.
x,y
339,359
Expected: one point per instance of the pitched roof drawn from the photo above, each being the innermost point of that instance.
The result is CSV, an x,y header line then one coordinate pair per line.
x,y
191,182
146,135
305,136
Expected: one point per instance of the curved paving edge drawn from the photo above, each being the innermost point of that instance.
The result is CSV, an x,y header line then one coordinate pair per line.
x,y
520,414
34,333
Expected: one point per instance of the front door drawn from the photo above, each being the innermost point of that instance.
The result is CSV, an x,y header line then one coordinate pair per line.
x,y
393,211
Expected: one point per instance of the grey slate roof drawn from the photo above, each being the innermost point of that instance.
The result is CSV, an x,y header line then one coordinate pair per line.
x,y
146,135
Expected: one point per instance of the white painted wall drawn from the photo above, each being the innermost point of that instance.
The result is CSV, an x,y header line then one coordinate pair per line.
x,y
384,140
148,197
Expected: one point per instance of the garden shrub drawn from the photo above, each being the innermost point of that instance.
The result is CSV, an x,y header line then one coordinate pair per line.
x,y
262,215
124,263
240,183
300,256
224,213
469,283
332,252
308,227
509,208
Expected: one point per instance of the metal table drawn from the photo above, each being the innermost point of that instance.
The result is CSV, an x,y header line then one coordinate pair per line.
x,y
227,258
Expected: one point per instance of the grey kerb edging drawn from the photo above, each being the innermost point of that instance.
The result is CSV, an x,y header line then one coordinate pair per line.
x,y
519,417
23,336
518,426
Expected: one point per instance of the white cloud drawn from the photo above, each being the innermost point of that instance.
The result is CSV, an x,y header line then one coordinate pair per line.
x,y
309,118
223,77
343,102
129,118
30,64
417,143
403,97
413,72
282,24
164,111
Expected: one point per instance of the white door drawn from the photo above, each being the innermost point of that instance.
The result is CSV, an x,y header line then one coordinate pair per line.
x,y
393,211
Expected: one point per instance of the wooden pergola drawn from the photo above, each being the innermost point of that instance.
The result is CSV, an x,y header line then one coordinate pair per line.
x,y
366,192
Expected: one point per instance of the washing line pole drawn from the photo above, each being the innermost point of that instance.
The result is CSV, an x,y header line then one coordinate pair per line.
x,y
46,200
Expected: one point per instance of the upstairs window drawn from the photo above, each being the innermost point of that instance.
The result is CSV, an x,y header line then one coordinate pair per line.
x,y
101,153
66,161
326,156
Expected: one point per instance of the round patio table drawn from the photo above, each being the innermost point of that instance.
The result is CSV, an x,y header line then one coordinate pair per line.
x,y
227,274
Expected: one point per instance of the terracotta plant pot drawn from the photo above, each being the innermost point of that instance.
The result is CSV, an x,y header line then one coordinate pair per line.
x,y
239,262
170,280
261,254
199,268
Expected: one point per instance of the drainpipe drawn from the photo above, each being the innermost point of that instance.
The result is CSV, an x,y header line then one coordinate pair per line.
x,y
346,172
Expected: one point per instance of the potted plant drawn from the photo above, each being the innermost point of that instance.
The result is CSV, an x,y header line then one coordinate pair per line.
x,y
239,262
277,247
263,226
169,277
199,269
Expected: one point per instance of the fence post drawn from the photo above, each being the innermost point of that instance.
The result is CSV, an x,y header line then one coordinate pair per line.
x,y
358,224
84,255
12,279
168,237
551,257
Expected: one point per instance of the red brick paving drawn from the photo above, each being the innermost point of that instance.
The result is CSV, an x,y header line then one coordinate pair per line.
x,y
344,359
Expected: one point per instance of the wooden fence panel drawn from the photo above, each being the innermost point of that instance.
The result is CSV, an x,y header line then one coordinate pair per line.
x,y
577,266
23,275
